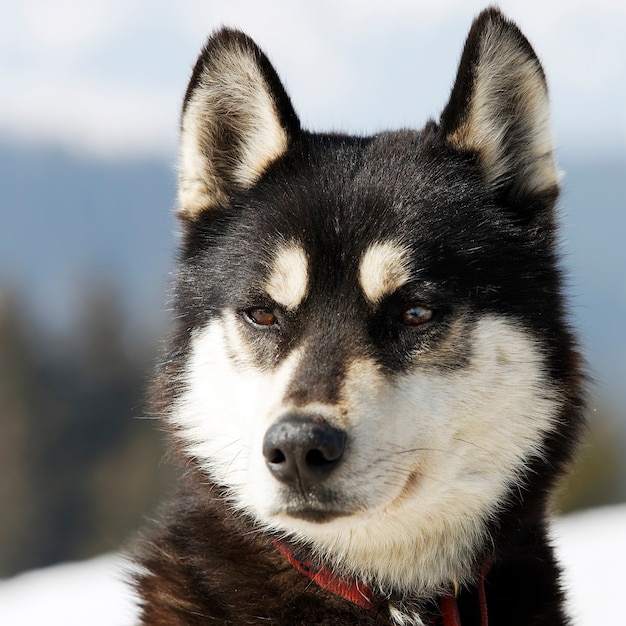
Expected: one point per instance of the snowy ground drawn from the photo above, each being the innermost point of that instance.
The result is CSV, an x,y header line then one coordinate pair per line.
x,y
592,548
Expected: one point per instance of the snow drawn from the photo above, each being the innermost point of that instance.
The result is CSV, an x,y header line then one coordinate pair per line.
x,y
592,550
90,593
591,546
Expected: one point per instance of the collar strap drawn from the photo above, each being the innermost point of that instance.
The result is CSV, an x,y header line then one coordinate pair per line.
x,y
353,590
362,595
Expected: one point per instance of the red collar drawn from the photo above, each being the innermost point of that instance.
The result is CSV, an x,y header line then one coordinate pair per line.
x,y
350,589
362,595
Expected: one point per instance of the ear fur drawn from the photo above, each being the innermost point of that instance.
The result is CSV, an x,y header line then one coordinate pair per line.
x,y
237,119
499,110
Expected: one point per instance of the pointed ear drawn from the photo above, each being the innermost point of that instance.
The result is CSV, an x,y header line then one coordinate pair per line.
x,y
499,110
237,119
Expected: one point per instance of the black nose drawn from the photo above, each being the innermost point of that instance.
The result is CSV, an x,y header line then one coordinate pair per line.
x,y
302,451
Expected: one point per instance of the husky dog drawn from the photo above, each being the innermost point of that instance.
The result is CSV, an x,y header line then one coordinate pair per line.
x,y
372,385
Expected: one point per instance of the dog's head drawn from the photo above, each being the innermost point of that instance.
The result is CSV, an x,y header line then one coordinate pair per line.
x,y
371,352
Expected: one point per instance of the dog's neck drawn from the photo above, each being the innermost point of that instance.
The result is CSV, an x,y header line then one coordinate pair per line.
x,y
362,595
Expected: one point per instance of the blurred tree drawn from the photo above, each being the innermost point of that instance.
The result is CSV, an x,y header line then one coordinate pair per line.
x,y
597,477
18,403
78,471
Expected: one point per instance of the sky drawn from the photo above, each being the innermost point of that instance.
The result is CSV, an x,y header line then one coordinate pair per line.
x,y
106,77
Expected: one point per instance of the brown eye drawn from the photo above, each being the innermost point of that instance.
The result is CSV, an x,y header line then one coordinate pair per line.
x,y
262,317
416,315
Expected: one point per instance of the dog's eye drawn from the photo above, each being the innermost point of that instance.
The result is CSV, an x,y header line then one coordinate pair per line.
x,y
261,317
416,315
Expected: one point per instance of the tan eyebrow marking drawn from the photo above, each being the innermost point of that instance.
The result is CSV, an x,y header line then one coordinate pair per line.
x,y
288,282
384,268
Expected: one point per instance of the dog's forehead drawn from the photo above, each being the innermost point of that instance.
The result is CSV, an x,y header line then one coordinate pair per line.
x,y
343,222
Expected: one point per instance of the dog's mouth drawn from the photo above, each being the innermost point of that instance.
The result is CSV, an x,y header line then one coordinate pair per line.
x,y
315,514
319,507
325,506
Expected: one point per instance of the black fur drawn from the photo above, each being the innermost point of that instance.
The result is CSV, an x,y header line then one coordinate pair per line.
x,y
482,246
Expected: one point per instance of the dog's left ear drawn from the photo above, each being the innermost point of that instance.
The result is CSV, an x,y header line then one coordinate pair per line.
x,y
499,111
237,119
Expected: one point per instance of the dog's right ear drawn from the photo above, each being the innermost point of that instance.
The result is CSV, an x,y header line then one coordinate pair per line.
x,y
237,119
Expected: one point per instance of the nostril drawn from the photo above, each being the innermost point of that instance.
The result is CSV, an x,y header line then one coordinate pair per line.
x,y
275,457
316,458
330,447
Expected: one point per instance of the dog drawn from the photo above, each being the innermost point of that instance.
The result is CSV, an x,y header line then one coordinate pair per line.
x,y
372,385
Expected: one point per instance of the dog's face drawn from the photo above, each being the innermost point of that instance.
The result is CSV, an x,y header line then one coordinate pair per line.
x,y
364,363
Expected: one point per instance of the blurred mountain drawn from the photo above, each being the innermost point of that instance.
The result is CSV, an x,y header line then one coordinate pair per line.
x,y
65,219
594,217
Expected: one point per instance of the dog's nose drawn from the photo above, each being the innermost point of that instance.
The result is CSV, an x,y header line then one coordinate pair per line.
x,y
302,451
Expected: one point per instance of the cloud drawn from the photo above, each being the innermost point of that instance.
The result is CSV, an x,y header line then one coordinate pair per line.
x,y
107,76
92,118
69,24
